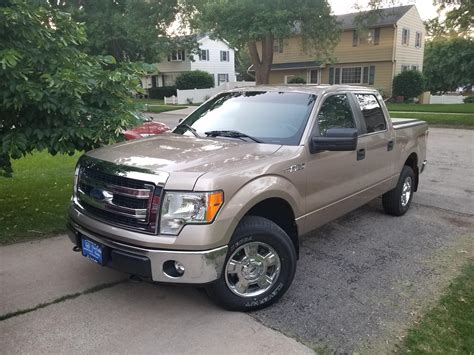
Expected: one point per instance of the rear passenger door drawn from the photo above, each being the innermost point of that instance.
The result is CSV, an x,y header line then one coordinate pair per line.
x,y
377,139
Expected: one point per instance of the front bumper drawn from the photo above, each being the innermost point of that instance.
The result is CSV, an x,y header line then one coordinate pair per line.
x,y
200,267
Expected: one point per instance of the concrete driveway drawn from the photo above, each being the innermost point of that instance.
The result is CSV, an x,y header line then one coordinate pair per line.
x,y
171,118
361,282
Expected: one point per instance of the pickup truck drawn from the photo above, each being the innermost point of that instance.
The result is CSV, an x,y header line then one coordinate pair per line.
x,y
222,200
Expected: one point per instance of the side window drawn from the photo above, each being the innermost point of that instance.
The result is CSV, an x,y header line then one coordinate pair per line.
x,y
372,112
335,112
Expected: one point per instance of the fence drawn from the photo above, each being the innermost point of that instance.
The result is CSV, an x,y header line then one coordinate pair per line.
x,y
446,99
194,96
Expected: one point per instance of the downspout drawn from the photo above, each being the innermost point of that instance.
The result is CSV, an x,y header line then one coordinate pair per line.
x,y
394,54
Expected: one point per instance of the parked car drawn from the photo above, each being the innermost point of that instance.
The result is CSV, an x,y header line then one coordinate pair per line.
x,y
145,127
224,198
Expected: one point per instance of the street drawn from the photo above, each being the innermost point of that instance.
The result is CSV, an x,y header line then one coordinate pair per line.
x,y
361,281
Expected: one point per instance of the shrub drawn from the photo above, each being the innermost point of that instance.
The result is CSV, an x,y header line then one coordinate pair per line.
x,y
469,100
161,92
408,84
195,80
297,80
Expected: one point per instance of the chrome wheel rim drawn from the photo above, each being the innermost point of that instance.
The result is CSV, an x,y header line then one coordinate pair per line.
x,y
406,191
252,269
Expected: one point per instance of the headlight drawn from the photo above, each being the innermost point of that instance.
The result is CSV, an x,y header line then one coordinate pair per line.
x,y
181,208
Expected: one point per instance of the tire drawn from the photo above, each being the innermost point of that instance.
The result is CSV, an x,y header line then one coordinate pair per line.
x,y
397,201
251,257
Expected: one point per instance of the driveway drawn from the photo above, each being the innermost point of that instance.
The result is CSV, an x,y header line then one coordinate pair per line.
x,y
171,118
362,280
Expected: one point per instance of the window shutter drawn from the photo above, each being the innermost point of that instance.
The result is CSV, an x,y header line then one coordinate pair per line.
x,y
169,58
372,75
331,76
365,75
207,54
337,80
408,37
355,39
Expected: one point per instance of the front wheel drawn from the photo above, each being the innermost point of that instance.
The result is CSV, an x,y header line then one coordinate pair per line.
x,y
259,268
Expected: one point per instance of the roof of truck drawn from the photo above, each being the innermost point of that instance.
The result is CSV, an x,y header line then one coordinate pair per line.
x,y
310,89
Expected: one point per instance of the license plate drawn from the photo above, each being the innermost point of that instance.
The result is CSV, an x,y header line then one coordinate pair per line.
x,y
93,251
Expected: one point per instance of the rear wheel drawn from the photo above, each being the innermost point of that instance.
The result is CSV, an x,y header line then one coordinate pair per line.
x,y
397,201
259,268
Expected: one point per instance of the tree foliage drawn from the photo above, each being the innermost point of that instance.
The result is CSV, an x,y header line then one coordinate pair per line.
x,y
297,80
53,95
448,64
257,24
457,20
408,84
196,79
129,30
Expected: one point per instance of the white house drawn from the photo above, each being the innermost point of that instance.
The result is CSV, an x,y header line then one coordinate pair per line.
x,y
215,57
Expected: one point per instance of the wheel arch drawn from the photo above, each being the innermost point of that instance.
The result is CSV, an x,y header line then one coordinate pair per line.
x,y
412,162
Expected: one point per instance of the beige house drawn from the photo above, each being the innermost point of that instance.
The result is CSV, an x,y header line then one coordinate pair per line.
x,y
394,42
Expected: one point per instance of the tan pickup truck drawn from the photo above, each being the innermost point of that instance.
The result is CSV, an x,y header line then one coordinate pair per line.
x,y
222,200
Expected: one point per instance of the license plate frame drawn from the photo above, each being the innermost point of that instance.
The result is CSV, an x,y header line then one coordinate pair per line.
x,y
93,251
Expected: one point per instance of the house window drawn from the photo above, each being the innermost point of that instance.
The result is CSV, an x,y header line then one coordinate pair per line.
x,y
372,112
355,38
418,40
225,56
406,37
204,54
222,78
352,75
414,67
376,36
405,67
278,46
176,56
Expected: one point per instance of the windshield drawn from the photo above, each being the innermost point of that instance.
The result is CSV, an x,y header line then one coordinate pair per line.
x,y
269,116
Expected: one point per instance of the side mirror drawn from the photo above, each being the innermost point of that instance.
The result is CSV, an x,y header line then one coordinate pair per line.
x,y
336,139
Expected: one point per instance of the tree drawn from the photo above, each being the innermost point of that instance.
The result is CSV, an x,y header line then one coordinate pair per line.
x,y
53,95
448,64
129,30
196,79
257,24
408,84
457,22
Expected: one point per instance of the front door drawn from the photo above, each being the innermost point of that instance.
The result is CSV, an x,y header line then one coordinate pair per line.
x,y
314,76
332,177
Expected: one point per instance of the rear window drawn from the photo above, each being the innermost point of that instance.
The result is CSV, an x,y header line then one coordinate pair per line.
x,y
372,112
272,117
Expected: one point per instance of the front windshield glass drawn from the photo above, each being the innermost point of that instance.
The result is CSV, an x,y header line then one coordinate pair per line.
x,y
271,117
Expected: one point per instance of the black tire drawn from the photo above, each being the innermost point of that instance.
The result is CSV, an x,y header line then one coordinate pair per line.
x,y
253,229
394,202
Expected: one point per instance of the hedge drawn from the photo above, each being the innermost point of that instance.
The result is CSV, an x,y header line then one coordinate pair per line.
x,y
161,92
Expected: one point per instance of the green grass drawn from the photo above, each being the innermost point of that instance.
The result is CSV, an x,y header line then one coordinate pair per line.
x,y
34,202
460,108
448,328
163,108
155,106
447,119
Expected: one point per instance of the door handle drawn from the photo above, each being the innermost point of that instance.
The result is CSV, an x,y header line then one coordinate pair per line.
x,y
390,145
360,154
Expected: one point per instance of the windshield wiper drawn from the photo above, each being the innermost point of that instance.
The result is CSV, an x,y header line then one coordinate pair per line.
x,y
231,134
190,129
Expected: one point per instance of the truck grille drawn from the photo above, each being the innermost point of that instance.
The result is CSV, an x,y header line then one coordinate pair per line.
x,y
118,200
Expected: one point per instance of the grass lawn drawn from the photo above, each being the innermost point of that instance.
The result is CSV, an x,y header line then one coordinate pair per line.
x,y
34,202
155,106
466,120
459,108
448,328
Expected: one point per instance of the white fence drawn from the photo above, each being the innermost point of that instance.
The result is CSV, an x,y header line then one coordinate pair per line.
x,y
446,99
194,96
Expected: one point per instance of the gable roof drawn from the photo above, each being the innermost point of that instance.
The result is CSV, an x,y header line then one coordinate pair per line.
x,y
382,17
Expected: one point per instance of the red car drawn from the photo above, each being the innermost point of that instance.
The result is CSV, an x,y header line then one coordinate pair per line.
x,y
145,127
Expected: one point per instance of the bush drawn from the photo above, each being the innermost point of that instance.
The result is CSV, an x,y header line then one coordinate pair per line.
x,y
297,80
195,80
161,92
469,100
408,84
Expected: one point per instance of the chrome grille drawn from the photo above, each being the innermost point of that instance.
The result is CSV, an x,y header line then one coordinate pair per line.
x,y
117,199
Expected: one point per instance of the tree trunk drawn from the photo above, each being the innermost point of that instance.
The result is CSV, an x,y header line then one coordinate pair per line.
x,y
262,64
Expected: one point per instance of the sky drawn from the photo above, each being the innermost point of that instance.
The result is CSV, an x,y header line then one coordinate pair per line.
x,y
425,7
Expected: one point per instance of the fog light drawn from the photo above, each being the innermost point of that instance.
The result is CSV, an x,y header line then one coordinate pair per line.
x,y
179,267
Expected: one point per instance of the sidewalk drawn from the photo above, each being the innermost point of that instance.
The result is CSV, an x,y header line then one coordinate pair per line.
x,y
122,318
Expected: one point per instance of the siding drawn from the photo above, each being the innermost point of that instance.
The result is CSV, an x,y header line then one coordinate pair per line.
x,y
409,55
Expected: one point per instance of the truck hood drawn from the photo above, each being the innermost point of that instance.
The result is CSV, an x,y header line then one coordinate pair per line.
x,y
185,158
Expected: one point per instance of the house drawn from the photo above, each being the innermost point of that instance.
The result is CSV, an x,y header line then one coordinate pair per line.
x,y
393,43
215,57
